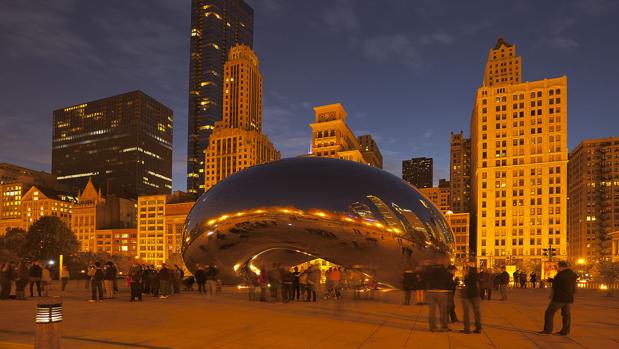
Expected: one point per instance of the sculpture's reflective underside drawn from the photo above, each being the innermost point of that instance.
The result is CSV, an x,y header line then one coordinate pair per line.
x,y
298,209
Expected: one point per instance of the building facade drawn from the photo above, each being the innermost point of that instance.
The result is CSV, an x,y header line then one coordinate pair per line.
x,y
418,172
117,241
460,224
39,202
438,196
460,173
519,167
237,141
124,143
593,184
160,225
332,138
216,26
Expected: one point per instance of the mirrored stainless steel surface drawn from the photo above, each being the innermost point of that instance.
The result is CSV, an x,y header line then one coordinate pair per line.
x,y
298,209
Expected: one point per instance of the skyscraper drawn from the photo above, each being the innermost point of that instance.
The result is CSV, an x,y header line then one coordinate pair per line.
x,y
216,26
593,185
237,141
519,153
332,138
418,172
460,173
124,143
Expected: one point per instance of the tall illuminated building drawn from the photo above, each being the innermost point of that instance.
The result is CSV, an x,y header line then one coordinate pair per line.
x,y
418,172
460,173
519,163
124,143
216,26
332,138
237,141
593,185
438,196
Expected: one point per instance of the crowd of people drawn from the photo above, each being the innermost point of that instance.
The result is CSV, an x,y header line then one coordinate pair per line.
x,y
436,285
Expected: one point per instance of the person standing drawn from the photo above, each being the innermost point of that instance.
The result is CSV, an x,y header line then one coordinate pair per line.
x,y
46,280
165,277
313,280
295,284
200,277
303,285
108,279
21,281
533,279
408,281
179,274
135,281
211,274
503,282
35,277
64,278
439,285
153,275
562,297
419,285
471,300
452,293
523,279
96,282
7,276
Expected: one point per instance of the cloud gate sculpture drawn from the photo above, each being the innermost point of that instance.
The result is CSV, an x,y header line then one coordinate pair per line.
x,y
298,209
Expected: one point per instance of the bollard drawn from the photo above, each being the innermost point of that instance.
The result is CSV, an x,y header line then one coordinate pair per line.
x,y
48,326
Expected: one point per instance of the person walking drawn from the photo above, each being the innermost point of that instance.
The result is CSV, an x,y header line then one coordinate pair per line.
x,y
408,281
64,278
135,281
108,279
562,297
35,277
439,285
503,282
211,274
313,281
486,282
471,300
96,282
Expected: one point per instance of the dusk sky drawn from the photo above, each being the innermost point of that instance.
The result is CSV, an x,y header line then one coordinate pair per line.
x,y
406,71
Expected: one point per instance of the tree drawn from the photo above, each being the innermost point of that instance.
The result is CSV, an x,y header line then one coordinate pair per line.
x,y
609,271
12,243
48,238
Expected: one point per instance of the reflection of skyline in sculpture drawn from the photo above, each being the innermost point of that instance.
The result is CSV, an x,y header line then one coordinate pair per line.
x,y
298,209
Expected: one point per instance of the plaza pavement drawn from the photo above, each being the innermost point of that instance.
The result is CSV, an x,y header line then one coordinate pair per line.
x,y
191,320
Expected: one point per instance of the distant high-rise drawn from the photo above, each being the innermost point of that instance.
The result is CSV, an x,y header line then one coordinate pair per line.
x,y
332,138
237,141
593,185
418,172
216,26
519,164
460,173
370,150
124,143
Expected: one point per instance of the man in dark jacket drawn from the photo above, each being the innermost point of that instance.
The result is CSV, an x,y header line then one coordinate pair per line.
x,y
135,281
471,300
563,288
165,277
200,277
439,285
96,282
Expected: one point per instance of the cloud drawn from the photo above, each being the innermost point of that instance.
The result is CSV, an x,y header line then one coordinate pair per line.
x,y
440,37
562,43
342,16
286,122
396,47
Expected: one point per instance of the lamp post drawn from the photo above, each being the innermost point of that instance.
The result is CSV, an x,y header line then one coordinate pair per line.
x,y
48,326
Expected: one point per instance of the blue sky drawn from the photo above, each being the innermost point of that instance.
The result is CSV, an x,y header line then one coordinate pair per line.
x,y
406,71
